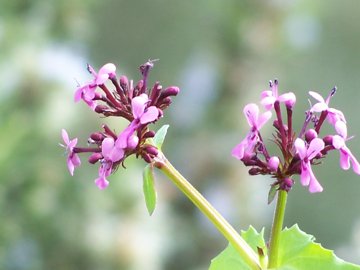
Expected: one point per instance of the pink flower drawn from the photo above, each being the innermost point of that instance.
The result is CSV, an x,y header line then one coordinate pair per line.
x,y
140,112
142,115
256,121
73,159
87,91
346,156
269,97
306,154
104,171
334,115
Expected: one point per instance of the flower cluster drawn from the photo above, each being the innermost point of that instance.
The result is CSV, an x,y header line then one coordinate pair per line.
x,y
299,152
137,103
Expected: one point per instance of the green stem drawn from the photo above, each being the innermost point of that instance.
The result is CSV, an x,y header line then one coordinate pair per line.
x,y
245,251
277,228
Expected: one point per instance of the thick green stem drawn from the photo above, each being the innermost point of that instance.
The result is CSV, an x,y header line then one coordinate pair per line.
x,y
245,251
276,229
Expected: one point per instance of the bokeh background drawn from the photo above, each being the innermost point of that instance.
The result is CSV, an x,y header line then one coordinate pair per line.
x,y
221,54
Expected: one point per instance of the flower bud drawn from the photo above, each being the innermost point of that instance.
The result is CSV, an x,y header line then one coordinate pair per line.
x,y
124,82
146,157
95,158
151,150
101,108
273,163
97,136
310,135
132,142
170,91
328,139
286,184
149,134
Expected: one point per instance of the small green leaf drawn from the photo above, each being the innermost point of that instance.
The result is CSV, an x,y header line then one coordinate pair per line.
x,y
229,258
149,188
298,251
160,136
272,193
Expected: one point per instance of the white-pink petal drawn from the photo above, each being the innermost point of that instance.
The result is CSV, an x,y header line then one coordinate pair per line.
x,y
263,119
317,96
65,136
151,114
251,112
138,105
300,148
341,129
315,146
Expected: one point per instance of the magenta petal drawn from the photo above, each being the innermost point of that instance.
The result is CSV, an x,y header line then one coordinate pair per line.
x,y
150,115
138,105
108,68
341,129
101,79
251,112
70,166
316,145
102,182
344,160
354,162
65,136
238,151
319,107
315,186
300,148
268,102
263,119
338,141
75,160
305,174
107,146
78,94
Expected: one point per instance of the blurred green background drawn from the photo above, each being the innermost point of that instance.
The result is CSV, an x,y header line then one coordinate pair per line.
x,y
221,54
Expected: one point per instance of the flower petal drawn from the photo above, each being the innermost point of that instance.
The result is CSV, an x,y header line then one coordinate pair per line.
x,y
314,185
338,141
150,115
65,137
300,148
263,119
138,105
238,151
341,129
101,182
344,159
315,146
251,112
305,174
317,96
319,107
288,98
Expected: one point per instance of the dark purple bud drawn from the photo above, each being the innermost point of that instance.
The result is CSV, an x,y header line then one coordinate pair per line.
x,y
276,82
152,150
170,91
166,101
139,85
124,82
286,184
149,134
254,171
328,139
146,157
95,158
310,135
97,136
101,108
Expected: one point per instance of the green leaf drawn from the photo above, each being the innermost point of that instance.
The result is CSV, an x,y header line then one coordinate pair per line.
x,y
149,188
272,193
298,251
160,136
229,259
